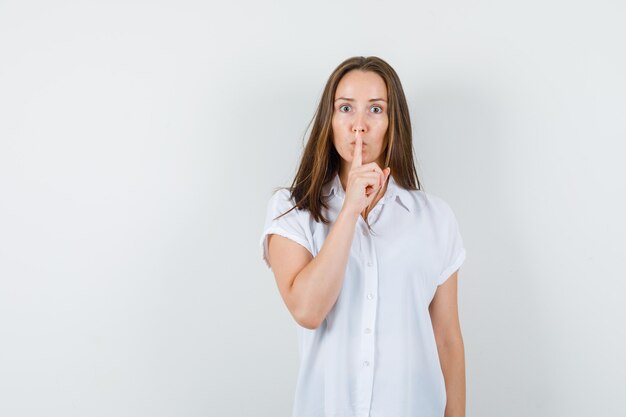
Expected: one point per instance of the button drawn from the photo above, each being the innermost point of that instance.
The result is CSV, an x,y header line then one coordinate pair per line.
x,y
366,363
364,232
370,296
368,330
369,263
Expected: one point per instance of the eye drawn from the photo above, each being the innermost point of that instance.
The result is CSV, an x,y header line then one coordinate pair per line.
x,y
379,108
342,106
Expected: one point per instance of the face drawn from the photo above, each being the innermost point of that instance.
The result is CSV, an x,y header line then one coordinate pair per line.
x,y
360,105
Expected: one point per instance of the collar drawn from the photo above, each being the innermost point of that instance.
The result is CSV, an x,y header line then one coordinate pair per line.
x,y
393,193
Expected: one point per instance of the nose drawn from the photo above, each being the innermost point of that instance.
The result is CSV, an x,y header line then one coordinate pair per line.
x,y
359,124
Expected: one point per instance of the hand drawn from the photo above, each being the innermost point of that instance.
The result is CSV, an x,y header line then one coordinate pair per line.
x,y
364,181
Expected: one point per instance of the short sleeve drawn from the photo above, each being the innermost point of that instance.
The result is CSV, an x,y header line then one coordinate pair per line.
x,y
454,250
291,225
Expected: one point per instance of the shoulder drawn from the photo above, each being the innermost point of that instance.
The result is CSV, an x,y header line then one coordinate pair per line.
x,y
429,204
281,195
439,222
281,201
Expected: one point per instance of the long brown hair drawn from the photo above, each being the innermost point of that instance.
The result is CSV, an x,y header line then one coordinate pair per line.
x,y
320,161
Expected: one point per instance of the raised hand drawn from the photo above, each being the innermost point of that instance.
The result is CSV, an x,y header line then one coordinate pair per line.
x,y
364,181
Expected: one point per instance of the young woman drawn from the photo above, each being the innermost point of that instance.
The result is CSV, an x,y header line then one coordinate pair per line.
x,y
367,262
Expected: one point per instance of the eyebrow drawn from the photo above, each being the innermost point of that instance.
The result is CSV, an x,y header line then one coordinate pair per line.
x,y
351,99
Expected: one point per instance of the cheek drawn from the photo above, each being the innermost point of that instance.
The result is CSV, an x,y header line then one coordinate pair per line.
x,y
337,122
335,131
336,135
382,124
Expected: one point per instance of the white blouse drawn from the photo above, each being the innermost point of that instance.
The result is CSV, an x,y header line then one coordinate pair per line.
x,y
375,355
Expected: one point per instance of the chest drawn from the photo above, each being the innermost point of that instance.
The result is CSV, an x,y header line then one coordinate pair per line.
x,y
401,254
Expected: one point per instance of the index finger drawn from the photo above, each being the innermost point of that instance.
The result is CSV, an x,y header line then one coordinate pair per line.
x,y
357,156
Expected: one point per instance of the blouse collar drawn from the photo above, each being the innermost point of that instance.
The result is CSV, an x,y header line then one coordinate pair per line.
x,y
394,191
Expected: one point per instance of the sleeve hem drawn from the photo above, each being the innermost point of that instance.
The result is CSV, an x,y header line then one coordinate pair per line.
x,y
282,232
443,277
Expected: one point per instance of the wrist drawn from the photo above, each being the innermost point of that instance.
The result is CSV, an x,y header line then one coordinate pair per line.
x,y
349,213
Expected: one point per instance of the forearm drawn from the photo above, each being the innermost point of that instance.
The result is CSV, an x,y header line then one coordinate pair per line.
x,y
316,288
452,359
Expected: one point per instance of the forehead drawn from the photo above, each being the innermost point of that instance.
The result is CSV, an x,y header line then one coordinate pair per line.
x,y
361,84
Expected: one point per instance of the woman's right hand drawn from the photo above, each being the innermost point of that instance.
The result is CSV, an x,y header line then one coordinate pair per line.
x,y
364,181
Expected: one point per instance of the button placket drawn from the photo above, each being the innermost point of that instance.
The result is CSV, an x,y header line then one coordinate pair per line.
x,y
370,282
374,215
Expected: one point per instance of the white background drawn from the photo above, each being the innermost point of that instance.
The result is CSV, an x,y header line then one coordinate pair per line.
x,y
140,143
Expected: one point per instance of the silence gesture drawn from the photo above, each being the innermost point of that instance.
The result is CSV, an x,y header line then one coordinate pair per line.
x,y
364,181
